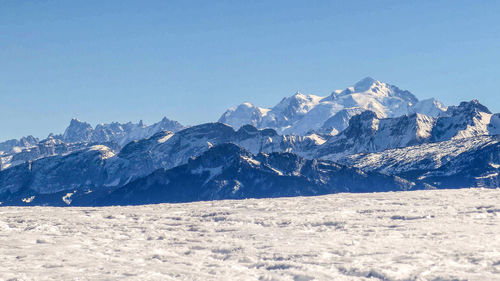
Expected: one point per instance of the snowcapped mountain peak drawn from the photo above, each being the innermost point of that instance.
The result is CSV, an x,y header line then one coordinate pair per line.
x,y
302,114
429,107
245,113
296,98
468,119
164,124
120,133
335,94
369,88
471,106
16,145
365,84
77,122
470,109
247,104
367,132
77,131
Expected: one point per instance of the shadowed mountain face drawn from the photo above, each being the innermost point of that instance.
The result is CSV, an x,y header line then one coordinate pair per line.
x,y
226,171
230,172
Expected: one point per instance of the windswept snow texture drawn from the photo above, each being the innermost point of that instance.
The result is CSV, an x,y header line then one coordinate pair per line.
x,y
418,235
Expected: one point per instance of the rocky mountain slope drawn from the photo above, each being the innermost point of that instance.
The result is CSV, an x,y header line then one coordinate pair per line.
x,y
369,133
229,172
466,162
121,134
17,145
45,148
225,171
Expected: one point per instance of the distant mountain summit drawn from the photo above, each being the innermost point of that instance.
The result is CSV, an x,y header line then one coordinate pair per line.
x,y
302,114
119,133
80,135
77,131
16,145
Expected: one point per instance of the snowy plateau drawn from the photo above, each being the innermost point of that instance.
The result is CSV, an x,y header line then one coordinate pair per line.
x,y
414,235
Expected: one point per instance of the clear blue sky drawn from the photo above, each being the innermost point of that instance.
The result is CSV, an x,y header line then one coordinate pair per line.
x,y
103,61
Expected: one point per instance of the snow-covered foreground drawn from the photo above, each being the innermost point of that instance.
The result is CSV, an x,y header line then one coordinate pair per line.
x,y
419,235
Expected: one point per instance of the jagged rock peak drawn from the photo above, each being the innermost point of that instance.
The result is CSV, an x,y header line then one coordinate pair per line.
x,y
77,131
366,115
473,105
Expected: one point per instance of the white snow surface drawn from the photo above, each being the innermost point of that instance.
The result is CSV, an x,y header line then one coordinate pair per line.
x,y
418,235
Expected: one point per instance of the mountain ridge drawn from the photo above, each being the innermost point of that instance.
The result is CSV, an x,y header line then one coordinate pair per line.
x,y
224,171
302,114
79,135
371,131
367,132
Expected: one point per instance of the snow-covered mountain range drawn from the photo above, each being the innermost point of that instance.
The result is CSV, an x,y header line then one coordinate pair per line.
x,y
301,114
79,135
369,137
17,145
225,171
457,163
369,133
228,171
121,134
99,166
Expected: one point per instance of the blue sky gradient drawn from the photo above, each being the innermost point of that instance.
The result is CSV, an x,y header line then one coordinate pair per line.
x,y
103,61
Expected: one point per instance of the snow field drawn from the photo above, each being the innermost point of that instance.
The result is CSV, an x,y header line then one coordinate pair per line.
x,y
418,235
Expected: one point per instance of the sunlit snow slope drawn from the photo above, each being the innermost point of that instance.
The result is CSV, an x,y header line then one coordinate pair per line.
x,y
418,235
